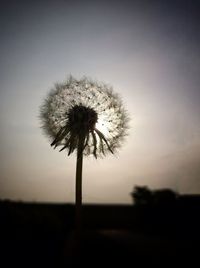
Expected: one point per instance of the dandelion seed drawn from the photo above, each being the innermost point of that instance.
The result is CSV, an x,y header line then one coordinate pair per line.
x,y
85,116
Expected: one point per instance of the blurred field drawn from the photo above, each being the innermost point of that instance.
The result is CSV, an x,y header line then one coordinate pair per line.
x,y
42,235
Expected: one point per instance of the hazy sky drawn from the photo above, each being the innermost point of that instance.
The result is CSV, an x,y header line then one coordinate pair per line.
x,y
149,51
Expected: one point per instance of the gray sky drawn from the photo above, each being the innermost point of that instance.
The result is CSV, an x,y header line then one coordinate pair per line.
x,y
149,51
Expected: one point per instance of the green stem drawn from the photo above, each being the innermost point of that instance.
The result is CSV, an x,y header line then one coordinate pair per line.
x,y
79,165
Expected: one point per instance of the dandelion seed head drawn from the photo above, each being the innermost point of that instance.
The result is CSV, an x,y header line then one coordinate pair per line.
x,y
84,108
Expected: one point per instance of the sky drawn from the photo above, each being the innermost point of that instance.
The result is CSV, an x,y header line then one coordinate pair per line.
x,y
149,51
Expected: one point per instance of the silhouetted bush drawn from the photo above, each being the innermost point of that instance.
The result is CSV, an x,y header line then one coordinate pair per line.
x,y
142,195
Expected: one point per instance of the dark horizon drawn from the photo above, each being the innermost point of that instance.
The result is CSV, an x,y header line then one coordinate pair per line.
x,y
43,235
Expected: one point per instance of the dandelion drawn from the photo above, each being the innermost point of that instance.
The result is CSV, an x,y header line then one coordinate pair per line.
x,y
83,116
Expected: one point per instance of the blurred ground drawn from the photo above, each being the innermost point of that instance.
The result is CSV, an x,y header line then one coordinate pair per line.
x,y
108,248
99,248
41,236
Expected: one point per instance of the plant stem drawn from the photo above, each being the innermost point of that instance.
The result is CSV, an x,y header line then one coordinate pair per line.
x,y
79,164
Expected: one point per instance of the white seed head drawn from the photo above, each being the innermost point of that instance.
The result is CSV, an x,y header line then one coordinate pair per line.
x,y
84,107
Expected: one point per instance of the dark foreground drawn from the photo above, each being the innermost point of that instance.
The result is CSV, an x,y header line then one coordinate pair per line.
x,y
34,238
101,248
